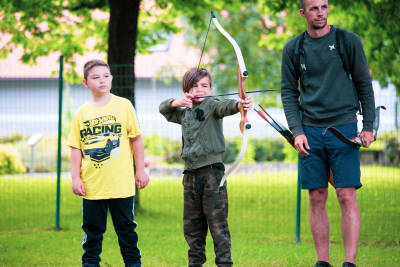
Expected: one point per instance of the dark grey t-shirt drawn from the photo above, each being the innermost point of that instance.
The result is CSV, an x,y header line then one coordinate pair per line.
x,y
328,96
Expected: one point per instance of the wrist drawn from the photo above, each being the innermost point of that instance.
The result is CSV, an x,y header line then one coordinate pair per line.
x,y
172,103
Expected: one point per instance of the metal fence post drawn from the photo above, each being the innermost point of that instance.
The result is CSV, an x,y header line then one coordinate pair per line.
x,y
60,96
298,204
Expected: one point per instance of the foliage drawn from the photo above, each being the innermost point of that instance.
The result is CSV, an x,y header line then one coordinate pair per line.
x,y
231,151
392,147
262,62
291,154
375,21
169,150
72,28
268,149
10,161
45,154
12,139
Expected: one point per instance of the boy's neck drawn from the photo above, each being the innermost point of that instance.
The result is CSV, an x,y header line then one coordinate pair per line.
x,y
100,101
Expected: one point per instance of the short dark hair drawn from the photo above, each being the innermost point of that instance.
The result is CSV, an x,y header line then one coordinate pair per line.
x,y
302,4
91,64
192,76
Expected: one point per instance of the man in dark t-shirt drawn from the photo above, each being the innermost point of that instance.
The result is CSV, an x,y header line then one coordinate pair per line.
x,y
317,93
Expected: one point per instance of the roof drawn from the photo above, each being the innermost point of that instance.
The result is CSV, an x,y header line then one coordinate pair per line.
x,y
174,60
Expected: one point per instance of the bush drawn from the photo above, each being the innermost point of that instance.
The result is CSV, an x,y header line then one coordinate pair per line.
x,y
45,154
268,149
169,150
392,147
258,150
10,161
12,139
231,151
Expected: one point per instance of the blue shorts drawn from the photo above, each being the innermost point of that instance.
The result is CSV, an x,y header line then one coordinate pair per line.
x,y
328,152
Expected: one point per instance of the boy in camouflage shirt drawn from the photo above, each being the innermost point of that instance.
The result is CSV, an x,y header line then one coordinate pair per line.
x,y
205,205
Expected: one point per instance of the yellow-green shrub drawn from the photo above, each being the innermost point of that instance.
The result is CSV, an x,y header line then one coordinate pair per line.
x,y
10,161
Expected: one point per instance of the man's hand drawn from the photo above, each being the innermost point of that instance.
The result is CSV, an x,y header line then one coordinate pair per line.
x,y
77,187
245,103
185,101
141,179
366,138
301,145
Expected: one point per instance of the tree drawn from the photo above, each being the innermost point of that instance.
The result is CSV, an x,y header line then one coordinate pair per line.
x,y
375,21
247,25
263,27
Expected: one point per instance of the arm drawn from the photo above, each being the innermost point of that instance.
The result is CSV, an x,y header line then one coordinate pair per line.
x,y
141,177
362,81
290,99
290,93
172,109
76,162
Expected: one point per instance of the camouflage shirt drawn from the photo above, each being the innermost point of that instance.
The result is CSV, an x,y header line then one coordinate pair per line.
x,y
202,136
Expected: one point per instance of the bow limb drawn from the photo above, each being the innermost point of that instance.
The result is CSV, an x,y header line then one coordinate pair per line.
x,y
241,76
356,141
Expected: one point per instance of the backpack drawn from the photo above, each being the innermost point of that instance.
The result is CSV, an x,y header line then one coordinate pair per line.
x,y
340,46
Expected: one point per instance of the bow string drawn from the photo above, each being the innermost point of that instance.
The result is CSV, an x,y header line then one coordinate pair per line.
x,y
242,74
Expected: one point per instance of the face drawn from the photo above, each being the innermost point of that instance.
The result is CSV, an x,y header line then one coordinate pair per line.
x,y
201,88
98,81
316,13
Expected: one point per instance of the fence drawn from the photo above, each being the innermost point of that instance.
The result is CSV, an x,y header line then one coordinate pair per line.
x,y
29,136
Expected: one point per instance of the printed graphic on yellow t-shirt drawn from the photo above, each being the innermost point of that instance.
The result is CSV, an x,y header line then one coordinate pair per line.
x,y
102,139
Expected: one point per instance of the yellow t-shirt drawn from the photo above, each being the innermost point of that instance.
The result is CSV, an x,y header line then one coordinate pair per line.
x,y
102,134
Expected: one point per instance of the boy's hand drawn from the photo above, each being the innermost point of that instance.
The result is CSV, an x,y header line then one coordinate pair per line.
x,y
245,103
141,179
77,187
185,101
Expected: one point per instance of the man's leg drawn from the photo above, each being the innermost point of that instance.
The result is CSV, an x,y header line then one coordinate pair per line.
x,y
319,222
351,221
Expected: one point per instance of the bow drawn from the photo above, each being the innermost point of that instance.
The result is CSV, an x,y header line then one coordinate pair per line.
x,y
241,76
356,141
284,132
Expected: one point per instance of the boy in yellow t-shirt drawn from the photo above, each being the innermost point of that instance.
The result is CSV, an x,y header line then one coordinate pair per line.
x,y
104,138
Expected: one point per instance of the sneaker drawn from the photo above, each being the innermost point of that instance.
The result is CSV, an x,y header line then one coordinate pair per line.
x,y
322,264
348,264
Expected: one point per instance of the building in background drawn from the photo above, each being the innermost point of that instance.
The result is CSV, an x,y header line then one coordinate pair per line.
x,y
29,94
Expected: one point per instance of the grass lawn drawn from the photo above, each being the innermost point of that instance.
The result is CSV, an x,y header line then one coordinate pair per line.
x,y
262,212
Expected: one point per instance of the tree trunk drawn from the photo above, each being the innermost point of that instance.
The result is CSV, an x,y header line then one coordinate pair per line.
x,y
122,32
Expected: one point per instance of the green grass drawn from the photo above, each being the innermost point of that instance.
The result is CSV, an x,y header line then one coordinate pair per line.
x,y
262,212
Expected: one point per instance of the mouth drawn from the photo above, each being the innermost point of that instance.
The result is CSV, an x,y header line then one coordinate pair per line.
x,y
198,97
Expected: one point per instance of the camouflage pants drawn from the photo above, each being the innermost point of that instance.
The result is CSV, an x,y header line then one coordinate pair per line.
x,y
205,206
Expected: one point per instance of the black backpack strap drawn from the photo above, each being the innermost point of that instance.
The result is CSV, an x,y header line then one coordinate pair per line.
x,y
342,48
299,58
346,57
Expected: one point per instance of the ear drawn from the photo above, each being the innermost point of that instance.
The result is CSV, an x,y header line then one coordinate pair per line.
x,y
301,12
84,82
